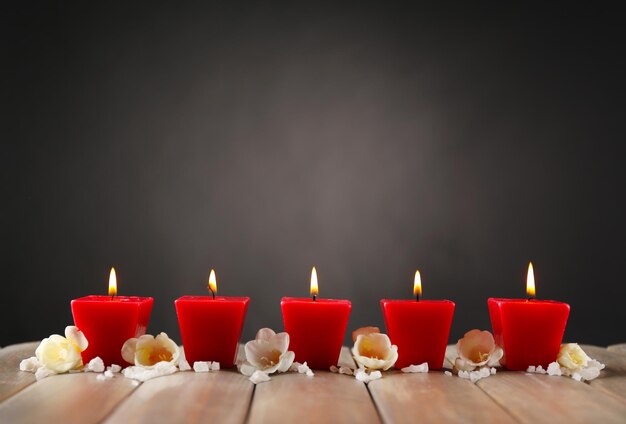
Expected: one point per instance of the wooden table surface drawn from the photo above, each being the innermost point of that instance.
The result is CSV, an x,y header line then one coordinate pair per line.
x,y
228,397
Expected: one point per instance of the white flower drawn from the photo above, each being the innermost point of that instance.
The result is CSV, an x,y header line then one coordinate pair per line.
x,y
268,353
374,351
476,349
60,354
571,356
147,351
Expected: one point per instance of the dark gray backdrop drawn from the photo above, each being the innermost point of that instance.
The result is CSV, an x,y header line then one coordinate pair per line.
x,y
262,140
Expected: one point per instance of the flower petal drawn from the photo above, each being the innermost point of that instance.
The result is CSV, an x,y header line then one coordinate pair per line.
x,y
265,334
280,342
286,359
128,350
364,330
76,337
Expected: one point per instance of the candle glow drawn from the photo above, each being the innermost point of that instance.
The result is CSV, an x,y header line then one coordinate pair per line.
x,y
530,281
112,283
417,284
314,288
212,282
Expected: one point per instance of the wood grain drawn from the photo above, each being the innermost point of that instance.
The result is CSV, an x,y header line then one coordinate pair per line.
x,y
324,398
433,397
220,397
12,380
69,398
613,378
533,398
618,348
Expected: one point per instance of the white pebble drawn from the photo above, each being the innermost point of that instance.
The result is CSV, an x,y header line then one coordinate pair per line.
x,y
303,368
259,377
95,365
201,366
43,372
554,369
101,377
346,370
31,364
145,374
364,377
531,369
493,371
215,366
108,374
114,368
416,368
448,373
309,373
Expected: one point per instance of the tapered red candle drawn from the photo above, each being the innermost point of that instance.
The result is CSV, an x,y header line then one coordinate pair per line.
x,y
529,331
108,321
420,328
211,326
316,327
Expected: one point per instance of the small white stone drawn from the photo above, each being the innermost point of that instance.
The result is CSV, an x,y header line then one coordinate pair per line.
x,y
589,373
554,369
145,374
31,364
201,366
259,377
215,366
101,377
309,373
346,370
540,370
108,374
114,368
416,368
448,373
303,368
364,377
43,372
576,376
294,366
493,371
334,369
95,365
183,365
531,369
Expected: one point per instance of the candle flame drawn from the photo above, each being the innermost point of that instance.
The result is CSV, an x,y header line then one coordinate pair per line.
x,y
212,282
314,289
417,284
112,282
530,281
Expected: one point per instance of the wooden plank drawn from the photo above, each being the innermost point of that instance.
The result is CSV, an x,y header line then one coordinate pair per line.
x,y
324,398
618,348
69,398
533,399
12,380
433,397
190,397
613,378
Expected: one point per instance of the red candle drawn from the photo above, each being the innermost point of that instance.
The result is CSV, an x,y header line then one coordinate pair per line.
x,y
316,327
211,326
529,331
420,328
108,321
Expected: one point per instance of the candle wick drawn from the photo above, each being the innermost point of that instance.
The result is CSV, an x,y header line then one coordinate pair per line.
x,y
314,297
531,297
212,293
417,297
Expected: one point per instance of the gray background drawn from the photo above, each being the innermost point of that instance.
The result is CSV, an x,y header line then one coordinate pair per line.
x,y
262,140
